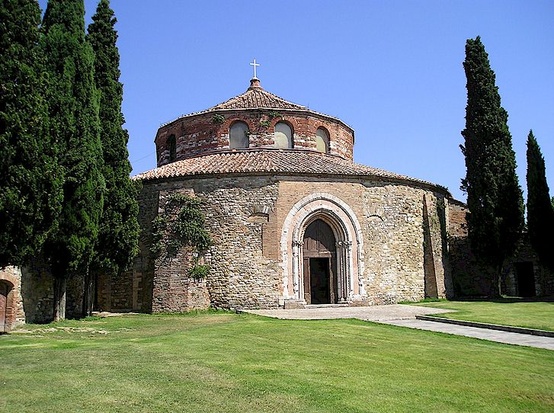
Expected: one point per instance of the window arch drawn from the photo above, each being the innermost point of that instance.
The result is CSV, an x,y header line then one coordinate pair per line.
x,y
283,136
172,147
322,140
238,136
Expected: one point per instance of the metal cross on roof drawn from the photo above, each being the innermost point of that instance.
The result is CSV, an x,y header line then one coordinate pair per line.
x,y
254,65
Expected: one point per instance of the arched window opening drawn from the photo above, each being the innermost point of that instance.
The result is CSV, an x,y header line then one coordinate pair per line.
x,y
322,140
172,147
283,136
238,136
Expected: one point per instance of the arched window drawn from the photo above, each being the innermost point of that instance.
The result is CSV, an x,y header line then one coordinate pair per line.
x,y
283,136
172,147
322,140
238,136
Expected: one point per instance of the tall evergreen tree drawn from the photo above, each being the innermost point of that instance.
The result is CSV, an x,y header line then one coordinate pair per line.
x,y
119,229
540,213
494,197
73,110
30,186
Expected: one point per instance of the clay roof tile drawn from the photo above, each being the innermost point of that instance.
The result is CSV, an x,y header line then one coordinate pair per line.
x,y
256,97
271,161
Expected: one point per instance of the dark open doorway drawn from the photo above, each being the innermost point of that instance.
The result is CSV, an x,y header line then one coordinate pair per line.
x,y
525,279
320,281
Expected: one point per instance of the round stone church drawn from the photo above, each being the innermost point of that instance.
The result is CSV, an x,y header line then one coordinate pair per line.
x,y
294,221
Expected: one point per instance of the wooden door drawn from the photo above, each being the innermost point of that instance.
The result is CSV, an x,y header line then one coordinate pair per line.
x,y
3,306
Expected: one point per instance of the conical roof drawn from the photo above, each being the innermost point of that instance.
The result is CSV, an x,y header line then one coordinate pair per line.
x,y
256,97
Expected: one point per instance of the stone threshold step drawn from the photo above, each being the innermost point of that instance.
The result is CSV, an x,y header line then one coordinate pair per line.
x,y
498,327
326,305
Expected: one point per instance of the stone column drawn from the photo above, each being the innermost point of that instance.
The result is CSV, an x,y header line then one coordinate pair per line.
x,y
348,275
342,271
361,288
296,263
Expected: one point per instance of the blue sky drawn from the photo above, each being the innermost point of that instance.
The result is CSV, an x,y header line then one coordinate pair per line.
x,y
392,70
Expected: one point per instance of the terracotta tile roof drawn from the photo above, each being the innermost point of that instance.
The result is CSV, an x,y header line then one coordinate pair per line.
x,y
273,161
256,97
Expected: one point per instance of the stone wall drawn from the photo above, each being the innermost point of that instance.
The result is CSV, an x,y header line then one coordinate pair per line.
x,y
543,276
11,305
245,216
37,293
404,227
132,290
473,280
391,216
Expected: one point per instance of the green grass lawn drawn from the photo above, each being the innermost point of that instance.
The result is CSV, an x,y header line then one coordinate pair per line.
x,y
513,312
222,362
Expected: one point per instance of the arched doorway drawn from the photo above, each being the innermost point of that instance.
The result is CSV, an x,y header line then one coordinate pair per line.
x,y
320,263
321,235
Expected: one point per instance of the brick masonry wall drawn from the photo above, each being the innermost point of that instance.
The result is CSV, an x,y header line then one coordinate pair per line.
x,y
457,224
200,134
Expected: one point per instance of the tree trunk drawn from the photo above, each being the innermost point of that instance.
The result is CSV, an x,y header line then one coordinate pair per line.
x,y
88,295
495,290
60,287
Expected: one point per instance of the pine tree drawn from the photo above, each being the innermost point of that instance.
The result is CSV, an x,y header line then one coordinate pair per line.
x,y
74,122
119,229
30,186
540,213
494,197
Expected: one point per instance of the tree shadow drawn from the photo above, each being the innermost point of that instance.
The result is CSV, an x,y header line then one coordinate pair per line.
x,y
508,300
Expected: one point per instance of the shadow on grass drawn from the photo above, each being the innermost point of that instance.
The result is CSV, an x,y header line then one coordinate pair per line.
x,y
505,300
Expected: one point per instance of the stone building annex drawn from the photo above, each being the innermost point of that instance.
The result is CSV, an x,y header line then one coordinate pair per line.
x,y
294,221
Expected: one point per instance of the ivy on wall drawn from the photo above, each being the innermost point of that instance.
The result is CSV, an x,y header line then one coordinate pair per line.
x,y
181,224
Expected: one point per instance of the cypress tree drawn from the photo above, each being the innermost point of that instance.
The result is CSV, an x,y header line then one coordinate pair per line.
x,y
74,122
540,213
494,197
30,186
119,229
